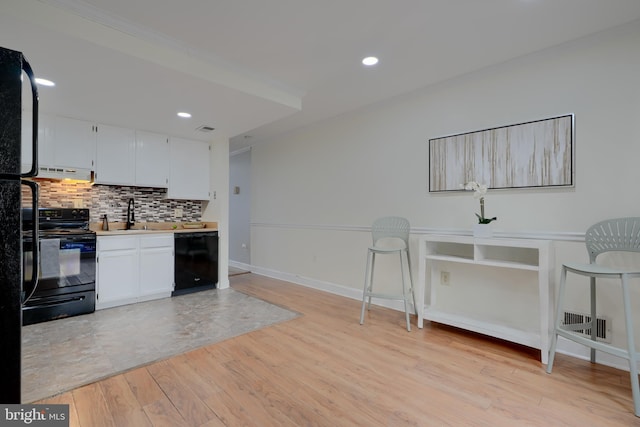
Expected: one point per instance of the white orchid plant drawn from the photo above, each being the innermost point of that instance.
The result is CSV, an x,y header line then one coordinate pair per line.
x,y
479,191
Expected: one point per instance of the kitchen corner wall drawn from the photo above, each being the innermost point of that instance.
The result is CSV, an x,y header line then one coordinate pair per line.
x,y
150,203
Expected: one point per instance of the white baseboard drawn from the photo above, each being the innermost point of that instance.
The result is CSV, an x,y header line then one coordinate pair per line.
x,y
223,283
308,282
332,288
240,265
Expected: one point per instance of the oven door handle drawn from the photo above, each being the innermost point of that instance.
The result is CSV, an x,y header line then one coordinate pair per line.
x,y
56,302
33,283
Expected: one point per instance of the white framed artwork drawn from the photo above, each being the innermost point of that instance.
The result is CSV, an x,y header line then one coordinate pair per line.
x,y
538,153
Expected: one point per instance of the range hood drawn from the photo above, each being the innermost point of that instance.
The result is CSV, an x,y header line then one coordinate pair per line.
x,y
65,173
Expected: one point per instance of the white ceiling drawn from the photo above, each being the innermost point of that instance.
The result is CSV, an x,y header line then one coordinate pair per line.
x,y
263,67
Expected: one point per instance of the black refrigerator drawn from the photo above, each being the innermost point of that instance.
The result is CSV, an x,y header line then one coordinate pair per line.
x,y
13,67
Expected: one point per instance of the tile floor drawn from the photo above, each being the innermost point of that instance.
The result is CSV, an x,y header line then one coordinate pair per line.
x,y
67,353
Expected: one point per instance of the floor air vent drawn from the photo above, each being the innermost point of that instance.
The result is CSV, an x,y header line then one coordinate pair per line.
x,y
603,325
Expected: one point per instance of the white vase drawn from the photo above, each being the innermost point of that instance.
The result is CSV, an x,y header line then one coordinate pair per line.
x,y
482,230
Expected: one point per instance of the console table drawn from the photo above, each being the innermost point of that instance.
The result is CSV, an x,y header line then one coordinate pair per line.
x,y
498,287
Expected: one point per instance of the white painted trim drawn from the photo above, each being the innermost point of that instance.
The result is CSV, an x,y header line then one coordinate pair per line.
x,y
240,265
538,235
223,283
329,287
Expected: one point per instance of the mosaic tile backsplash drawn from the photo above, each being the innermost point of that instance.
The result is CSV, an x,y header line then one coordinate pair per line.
x,y
150,203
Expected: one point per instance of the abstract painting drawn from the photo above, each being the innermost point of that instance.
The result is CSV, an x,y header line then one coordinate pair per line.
x,y
538,153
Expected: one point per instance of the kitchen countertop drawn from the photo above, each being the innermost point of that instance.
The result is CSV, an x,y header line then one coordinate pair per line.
x,y
117,228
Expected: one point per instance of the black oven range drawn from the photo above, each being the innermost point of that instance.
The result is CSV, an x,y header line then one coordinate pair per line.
x,y
67,273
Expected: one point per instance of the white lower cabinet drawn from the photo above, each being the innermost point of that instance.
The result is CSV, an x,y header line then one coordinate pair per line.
x,y
133,268
156,265
117,271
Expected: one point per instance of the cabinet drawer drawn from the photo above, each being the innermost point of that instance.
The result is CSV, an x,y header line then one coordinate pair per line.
x,y
113,243
156,241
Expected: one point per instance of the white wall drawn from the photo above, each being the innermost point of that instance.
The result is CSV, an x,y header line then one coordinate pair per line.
x,y
316,191
240,207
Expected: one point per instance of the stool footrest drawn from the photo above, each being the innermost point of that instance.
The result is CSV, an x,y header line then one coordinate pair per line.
x,y
576,326
607,348
386,296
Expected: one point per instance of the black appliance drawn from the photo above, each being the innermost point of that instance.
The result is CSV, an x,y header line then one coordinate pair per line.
x,y
12,67
67,281
196,261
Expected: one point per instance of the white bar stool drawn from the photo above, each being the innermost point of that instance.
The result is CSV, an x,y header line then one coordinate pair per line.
x,y
385,232
614,235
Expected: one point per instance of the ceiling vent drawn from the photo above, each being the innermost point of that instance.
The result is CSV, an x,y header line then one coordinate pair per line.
x,y
205,129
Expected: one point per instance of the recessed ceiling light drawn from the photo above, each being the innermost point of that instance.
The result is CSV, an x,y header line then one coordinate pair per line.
x,y
184,114
370,60
44,82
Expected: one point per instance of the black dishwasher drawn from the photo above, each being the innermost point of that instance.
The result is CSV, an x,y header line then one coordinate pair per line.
x,y
196,261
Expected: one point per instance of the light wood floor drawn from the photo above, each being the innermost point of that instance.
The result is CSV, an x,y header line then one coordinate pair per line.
x,y
324,369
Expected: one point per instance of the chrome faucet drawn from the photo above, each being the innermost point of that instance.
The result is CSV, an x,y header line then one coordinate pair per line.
x,y
131,218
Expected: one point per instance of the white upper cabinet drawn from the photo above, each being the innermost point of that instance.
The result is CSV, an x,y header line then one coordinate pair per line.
x,y
115,155
120,156
189,176
63,143
152,160
74,143
45,140
129,157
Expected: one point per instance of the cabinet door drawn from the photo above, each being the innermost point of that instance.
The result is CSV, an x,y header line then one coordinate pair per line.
x,y
156,272
117,272
45,140
152,160
74,143
115,155
190,163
